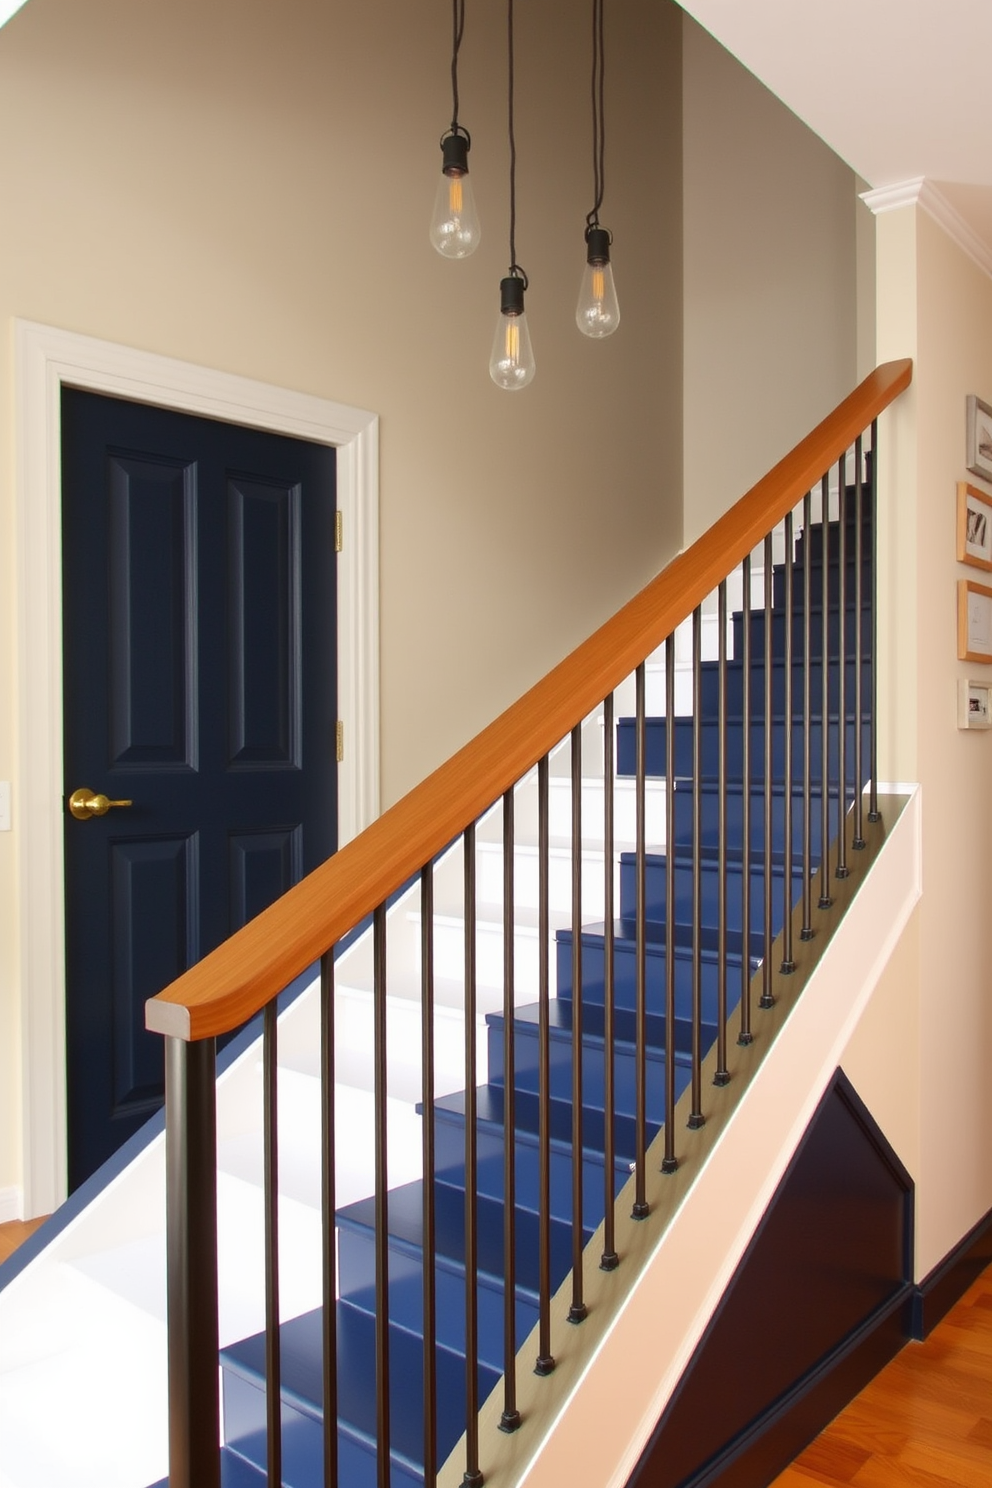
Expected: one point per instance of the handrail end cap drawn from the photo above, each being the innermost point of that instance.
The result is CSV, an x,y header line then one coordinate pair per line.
x,y
169,1018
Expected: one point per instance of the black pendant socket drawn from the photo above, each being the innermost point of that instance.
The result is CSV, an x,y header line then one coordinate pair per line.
x,y
454,155
598,241
511,295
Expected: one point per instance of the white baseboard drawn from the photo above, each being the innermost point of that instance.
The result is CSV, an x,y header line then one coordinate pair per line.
x,y
11,1204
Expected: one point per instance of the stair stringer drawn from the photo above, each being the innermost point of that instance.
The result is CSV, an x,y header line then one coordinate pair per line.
x,y
590,1420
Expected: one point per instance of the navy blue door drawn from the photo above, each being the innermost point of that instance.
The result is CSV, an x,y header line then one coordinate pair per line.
x,y
199,646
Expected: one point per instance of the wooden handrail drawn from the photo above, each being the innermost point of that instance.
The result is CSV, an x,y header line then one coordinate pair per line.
x,y
236,980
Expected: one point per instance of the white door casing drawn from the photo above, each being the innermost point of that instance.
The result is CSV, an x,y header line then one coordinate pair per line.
x,y
45,359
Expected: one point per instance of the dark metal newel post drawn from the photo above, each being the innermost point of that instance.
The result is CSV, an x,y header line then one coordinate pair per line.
x,y
767,1000
191,1238
640,1208
722,1075
788,964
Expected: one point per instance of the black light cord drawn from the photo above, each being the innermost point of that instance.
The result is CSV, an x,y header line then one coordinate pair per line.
x,y
457,31
513,141
598,112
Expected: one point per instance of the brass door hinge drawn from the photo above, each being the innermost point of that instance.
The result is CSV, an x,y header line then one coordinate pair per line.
x,y
338,532
339,740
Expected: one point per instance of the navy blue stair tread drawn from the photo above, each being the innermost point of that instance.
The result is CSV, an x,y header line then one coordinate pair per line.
x,y
656,748
684,786
593,1056
656,939
490,1108
709,857
561,1017
735,718
680,909
406,1232
710,690
235,1472
301,1341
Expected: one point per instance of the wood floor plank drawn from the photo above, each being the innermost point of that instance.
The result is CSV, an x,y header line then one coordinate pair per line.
x,y
924,1422
15,1232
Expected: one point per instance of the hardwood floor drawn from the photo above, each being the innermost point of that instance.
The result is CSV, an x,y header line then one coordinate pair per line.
x,y
14,1233
924,1422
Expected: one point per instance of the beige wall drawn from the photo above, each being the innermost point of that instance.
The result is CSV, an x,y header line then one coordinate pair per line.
x,y
935,305
771,282
247,186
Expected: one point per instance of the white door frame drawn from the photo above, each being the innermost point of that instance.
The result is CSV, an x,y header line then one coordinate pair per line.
x,y
45,359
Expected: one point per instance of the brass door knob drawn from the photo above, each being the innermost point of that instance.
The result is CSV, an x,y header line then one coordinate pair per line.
x,y
83,804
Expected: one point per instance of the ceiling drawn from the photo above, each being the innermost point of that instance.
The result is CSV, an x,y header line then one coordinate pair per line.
x,y
895,87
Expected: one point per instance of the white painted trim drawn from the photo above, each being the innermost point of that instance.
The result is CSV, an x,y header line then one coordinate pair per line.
x,y
45,358
11,1205
923,193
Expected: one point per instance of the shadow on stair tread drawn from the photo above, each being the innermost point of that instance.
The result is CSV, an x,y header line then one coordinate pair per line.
x,y
301,1341
490,1110
406,1233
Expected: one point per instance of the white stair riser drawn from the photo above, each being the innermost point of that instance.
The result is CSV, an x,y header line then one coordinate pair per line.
x,y
526,876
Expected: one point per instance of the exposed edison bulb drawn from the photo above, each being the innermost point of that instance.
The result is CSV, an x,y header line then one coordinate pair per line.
x,y
512,365
597,313
455,231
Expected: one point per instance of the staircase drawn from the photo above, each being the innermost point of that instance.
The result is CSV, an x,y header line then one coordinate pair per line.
x,y
726,961
671,797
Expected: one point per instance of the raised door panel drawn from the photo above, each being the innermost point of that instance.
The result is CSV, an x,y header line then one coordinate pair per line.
x,y
155,935
264,625
151,519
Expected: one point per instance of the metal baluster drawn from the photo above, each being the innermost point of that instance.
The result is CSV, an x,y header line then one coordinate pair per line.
x,y
807,932
842,870
640,1209
191,1248
609,1259
270,1190
379,1059
745,1036
545,1359
510,1419
696,1117
874,814
670,1161
825,900
788,964
766,1000
859,805
471,1477
722,1075
328,1205
429,1218
577,1310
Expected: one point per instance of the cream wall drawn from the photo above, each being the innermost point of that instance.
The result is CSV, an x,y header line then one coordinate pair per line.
x,y
935,305
771,279
247,186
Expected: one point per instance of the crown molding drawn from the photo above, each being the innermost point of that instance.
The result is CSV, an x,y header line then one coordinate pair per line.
x,y
922,193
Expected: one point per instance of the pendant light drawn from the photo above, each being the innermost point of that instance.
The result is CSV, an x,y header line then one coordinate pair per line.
x,y
455,231
597,313
511,365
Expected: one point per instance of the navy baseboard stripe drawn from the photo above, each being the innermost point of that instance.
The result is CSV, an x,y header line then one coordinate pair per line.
x,y
950,1279
774,1441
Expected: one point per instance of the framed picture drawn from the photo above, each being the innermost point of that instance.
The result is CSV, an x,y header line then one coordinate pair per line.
x,y
974,621
974,709
979,459
974,526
